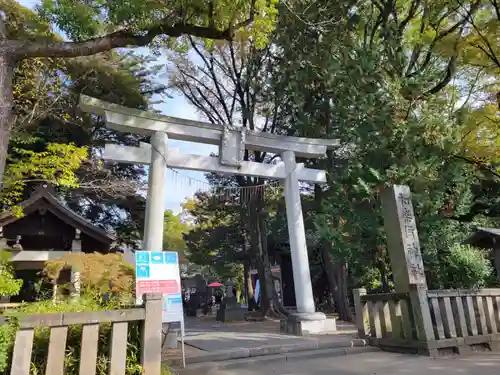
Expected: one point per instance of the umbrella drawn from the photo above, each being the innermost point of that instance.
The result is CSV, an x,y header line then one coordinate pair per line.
x,y
215,284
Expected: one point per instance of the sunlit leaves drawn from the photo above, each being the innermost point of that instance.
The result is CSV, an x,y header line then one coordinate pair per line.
x,y
57,165
9,285
99,273
85,19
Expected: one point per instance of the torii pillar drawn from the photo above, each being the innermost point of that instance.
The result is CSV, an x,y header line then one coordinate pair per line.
x,y
154,218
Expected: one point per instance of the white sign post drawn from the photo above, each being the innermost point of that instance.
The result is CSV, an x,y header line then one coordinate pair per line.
x,y
158,272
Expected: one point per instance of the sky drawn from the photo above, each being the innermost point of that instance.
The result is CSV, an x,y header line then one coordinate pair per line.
x,y
185,183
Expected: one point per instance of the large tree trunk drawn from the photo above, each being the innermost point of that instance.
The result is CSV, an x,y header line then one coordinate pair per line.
x,y
275,307
262,263
256,223
341,294
248,286
336,272
329,266
6,109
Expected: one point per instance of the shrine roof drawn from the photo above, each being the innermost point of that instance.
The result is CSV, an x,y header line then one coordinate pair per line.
x,y
42,197
484,237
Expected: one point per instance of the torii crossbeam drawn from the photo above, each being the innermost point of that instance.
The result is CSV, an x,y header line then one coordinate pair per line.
x,y
232,142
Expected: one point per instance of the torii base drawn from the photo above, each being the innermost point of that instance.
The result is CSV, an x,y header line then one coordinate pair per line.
x,y
308,324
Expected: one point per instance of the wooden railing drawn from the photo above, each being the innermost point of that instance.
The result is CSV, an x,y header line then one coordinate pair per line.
x,y
383,316
465,314
150,315
458,320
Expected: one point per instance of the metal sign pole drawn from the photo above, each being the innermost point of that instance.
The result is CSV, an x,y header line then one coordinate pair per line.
x,y
182,345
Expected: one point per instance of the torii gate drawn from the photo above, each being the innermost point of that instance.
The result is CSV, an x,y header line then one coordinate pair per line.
x,y
232,142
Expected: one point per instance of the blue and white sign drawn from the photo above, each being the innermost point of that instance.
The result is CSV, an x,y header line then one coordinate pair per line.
x,y
158,272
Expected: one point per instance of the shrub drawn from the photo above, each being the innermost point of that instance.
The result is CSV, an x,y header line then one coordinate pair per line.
x,y
467,267
100,274
9,285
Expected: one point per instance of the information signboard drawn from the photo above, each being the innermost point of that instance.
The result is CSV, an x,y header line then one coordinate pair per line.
x,y
158,272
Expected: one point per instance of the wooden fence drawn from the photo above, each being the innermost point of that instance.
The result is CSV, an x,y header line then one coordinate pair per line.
x,y
383,317
149,315
462,320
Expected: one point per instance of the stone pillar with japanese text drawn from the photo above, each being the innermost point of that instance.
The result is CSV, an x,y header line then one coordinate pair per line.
x,y
406,258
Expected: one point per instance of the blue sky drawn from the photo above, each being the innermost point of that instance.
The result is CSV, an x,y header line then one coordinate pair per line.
x,y
175,191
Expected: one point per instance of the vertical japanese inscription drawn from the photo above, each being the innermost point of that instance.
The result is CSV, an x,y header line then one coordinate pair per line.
x,y
411,243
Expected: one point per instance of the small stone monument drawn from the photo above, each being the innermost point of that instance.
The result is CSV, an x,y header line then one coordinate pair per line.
x,y
230,309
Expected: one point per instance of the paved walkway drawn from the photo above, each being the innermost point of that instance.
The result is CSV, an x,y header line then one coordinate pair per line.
x,y
208,335
205,336
378,363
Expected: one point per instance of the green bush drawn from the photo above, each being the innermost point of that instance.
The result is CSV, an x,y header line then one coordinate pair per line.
x,y
9,285
41,339
467,267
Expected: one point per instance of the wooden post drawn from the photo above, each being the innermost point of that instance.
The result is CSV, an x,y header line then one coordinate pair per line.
x,y
21,358
361,310
406,257
151,334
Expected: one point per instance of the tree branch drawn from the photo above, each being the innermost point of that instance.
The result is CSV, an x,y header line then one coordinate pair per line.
x,y
450,72
444,33
478,164
118,39
210,66
411,14
490,52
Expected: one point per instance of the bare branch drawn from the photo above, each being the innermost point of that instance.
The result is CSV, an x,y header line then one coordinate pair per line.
x,y
411,14
210,66
442,34
449,73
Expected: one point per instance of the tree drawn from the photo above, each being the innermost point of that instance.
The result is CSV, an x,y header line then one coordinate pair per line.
x,y
46,93
173,234
378,76
96,27
468,268
224,82
215,239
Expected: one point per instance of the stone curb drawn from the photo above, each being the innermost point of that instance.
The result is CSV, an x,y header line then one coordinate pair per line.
x,y
208,368
267,350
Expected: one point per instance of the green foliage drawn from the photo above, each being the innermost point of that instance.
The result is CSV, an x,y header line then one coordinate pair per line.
x,y
99,274
467,268
7,337
175,229
52,133
57,165
9,285
86,19
214,239
379,77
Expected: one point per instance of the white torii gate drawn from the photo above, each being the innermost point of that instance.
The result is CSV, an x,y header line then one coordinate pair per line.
x,y
232,142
